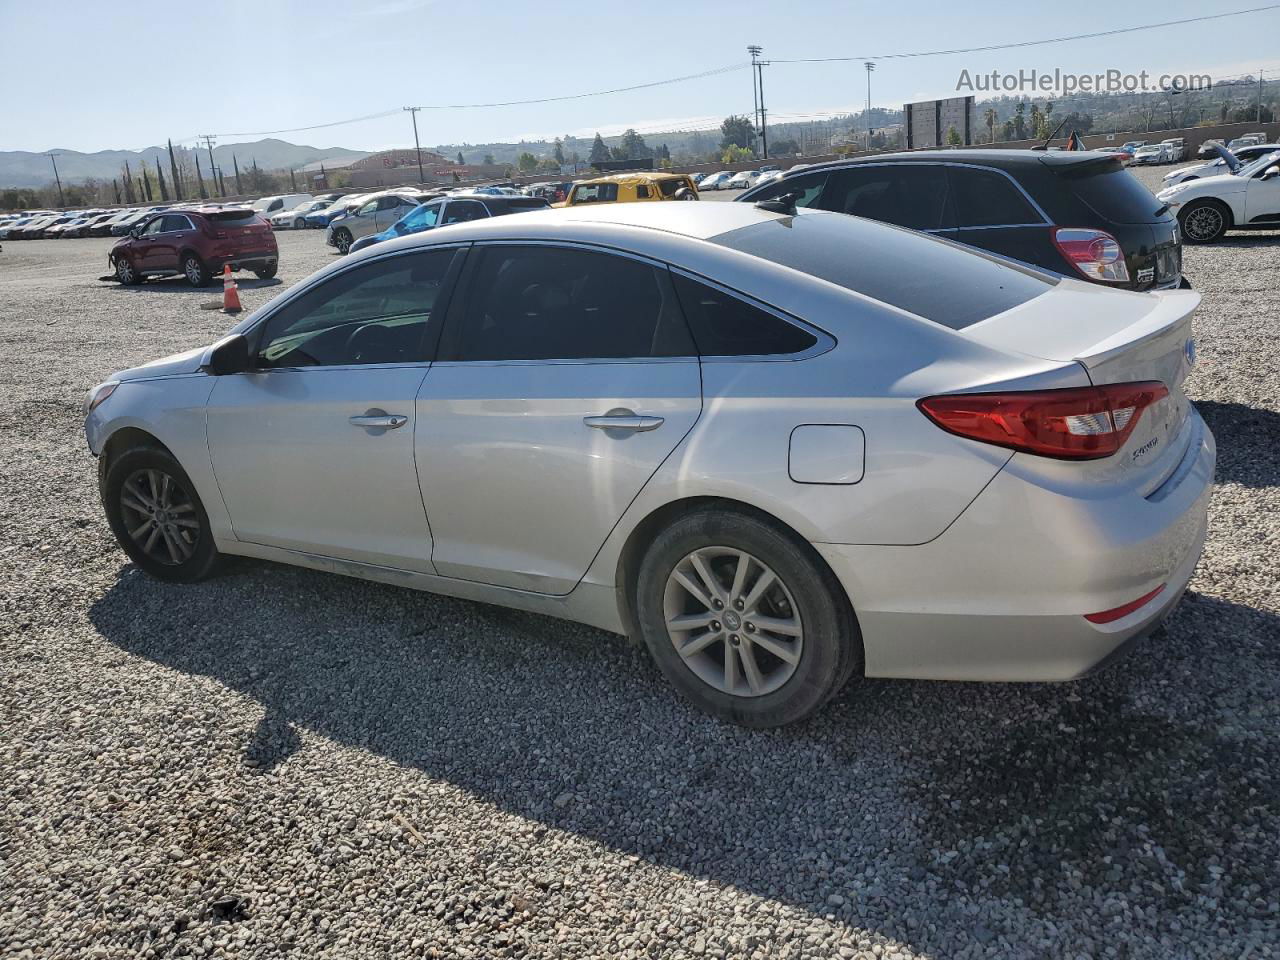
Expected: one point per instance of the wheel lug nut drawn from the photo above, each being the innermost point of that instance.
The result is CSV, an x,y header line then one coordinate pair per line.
x,y
719,605
751,628
733,638
715,625
738,604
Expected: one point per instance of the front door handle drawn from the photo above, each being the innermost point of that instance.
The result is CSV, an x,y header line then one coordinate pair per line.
x,y
386,421
630,422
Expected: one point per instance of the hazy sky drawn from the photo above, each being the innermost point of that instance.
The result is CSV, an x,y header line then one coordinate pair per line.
x,y
76,75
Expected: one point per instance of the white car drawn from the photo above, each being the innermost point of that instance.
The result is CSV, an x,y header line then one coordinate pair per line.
x,y
1249,199
1219,165
1150,155
1177,149
743,180
1248,140
717,181
266,206
295,218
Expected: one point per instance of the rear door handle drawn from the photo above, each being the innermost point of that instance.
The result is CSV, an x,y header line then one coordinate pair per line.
x,y
386,421
630,422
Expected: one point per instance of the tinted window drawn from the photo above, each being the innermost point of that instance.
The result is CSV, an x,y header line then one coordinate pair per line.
x,y
174,223
935,279
985,198
388,203
596,193
725,326
376,313
912,196
155,226
808,185
460,211
526,203
1113,194
553,303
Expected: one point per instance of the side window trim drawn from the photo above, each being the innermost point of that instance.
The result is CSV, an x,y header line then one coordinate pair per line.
x,y
448,341
431,339
823,341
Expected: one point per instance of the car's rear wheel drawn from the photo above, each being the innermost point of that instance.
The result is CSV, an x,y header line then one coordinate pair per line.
x,y
126,272
744,619
1204,221
156,515
299,223
342,240
195,271
267,272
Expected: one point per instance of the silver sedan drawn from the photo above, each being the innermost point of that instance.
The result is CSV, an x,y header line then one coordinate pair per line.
x,y
779,449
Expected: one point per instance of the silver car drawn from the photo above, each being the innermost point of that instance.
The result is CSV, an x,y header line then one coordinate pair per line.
x,y
378,212
780,449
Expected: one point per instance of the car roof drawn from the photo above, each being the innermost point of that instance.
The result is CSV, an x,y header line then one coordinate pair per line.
x,y
1001,159
642,176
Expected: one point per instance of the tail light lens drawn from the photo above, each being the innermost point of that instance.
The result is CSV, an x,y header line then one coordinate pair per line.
x,y
1078,423
1095,253
1117,613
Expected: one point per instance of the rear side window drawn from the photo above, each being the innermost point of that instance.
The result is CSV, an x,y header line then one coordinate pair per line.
x,y
985,198
725,326
935,279
642,191
670,187
1113,194
910,195
557,303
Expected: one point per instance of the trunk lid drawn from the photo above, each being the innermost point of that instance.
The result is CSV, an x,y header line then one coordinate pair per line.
x,y
1117,337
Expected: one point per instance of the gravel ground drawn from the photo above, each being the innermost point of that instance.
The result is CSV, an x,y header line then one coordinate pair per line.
x,y
288,763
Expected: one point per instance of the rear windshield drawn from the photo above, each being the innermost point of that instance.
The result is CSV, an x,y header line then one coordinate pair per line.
x,y
934,279
527,203
231,218
1114,194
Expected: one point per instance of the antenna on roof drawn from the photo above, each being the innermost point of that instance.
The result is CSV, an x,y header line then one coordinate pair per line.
x,y
1049,139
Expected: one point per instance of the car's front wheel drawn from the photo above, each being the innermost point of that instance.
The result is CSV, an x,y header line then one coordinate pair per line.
x,y
744,619
156,515
126,272
299,223
342,240
1204,221
195,271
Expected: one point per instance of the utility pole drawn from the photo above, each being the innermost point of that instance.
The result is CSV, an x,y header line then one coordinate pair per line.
x,y
758,65
754,50
58,180
208,142
413,112
870,66
1259,96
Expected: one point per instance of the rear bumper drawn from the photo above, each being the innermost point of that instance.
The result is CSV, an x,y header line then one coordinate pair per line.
x,y
243,261
1002,594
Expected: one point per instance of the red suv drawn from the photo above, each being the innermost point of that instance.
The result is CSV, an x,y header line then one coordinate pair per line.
x,y
196,243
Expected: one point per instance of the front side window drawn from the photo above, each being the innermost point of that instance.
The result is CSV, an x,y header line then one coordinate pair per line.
x,y
375,313
461,211
595,193
154,227
422,218
807,188
368,209
910,195
558,303
725,326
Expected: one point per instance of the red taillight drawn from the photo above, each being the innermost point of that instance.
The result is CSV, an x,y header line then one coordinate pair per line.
x,y
1095,253
1108,616
1078,423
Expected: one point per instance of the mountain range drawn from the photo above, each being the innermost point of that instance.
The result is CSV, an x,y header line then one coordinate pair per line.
x,y
21,168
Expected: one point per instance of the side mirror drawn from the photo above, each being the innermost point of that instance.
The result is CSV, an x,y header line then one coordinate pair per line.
x,y
228,355
1271,172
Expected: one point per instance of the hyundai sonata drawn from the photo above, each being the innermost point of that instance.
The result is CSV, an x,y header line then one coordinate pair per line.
x,y
779,449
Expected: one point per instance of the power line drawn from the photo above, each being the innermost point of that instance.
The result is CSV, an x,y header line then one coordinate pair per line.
x,y
1034,43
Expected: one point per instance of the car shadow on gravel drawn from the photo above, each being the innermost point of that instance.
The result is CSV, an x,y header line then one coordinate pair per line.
x,y
1248,442
180,285
900,804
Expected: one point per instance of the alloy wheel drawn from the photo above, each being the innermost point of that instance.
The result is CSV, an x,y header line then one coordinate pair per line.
x,y
124,270
1203,223
733,621
160,516
193,272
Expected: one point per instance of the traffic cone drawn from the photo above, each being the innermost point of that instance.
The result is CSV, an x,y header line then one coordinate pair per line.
x,y
230,292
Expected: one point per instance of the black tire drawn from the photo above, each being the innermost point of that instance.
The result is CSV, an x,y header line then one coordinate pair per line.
x,y
191,554
831,646
1204,221
299,223
126,273
266,273
342,240
194,269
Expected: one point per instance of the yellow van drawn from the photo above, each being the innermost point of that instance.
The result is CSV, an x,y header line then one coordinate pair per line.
x,y
630,187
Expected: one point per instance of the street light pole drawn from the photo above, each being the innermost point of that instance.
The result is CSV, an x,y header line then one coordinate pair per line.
x,y
870,66
58,180
413,112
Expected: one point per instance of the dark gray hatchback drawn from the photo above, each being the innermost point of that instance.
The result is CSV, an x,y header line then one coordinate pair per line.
x,y
1080,214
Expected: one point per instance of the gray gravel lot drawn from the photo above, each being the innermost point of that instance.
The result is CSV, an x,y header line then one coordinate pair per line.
x,y
288,763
